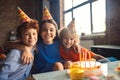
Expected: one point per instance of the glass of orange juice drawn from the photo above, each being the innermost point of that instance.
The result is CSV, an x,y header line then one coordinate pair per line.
x,y
76,73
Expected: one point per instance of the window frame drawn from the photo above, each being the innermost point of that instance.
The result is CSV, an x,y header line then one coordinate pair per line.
x,y
91,16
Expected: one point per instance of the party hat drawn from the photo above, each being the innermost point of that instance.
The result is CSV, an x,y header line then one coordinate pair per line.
x,y
72,24
22,16
46,14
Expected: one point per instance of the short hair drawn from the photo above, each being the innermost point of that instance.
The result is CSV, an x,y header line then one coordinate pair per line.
x,y
33,24
52,22
70,33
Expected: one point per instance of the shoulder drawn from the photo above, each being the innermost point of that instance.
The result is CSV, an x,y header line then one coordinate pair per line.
x,y
14,52
13,55
57,42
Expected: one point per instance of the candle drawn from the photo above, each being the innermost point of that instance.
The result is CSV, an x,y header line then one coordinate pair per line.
x,y
85,55
80,58
89,55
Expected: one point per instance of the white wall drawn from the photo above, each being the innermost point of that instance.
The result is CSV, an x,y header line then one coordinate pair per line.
x,y
86,43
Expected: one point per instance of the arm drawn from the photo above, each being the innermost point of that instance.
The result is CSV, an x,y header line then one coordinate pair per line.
x,y
91,54
76,45
100,58
26,57
10,65
77,48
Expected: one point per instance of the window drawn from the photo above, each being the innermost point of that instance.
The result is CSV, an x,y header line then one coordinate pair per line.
x,y
90,15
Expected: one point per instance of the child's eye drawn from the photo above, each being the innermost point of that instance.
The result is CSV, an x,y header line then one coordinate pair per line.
x,y
34,33
65,38
71,39
26,34
51,30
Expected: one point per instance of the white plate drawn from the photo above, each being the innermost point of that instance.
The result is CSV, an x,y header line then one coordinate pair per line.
x,y
89,64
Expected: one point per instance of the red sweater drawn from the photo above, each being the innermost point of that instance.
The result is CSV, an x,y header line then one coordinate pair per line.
x,y
72,56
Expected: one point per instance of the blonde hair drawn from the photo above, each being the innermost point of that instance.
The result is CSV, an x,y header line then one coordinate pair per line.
x,y
70,33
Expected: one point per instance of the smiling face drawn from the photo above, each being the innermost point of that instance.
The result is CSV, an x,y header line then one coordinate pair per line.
x,y
29,37
27,33
48,33
68,38
68,41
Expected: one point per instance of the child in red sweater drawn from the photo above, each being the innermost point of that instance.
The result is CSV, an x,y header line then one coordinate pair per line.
x,y
69,37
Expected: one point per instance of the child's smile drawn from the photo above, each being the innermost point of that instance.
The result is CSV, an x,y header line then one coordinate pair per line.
x,y
48,33
68,42
29,37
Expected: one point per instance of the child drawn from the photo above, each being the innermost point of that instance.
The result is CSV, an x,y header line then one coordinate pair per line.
x,y
68,37
48,46
12,68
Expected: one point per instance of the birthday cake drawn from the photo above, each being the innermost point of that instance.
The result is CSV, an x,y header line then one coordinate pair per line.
x,y
90,65
90,68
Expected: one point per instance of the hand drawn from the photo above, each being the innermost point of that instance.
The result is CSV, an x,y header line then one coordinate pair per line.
x,y
77,48
27,56
67,64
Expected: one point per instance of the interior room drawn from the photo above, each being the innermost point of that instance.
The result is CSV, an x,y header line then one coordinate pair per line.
x,y
100,27
97,22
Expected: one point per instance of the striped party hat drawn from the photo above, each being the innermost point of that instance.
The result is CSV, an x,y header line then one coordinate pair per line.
x,y
46,14
72,24
22,16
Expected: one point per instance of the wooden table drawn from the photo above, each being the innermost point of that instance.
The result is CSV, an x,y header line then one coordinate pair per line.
x,y
62,75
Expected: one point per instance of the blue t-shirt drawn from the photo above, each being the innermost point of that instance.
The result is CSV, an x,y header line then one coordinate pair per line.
x,y
13,69
47,55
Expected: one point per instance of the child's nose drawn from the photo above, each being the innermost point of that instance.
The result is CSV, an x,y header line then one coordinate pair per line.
x,y
31,36
48,31
68,40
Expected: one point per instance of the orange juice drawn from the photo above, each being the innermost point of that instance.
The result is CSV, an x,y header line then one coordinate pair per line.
x,y
76,74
